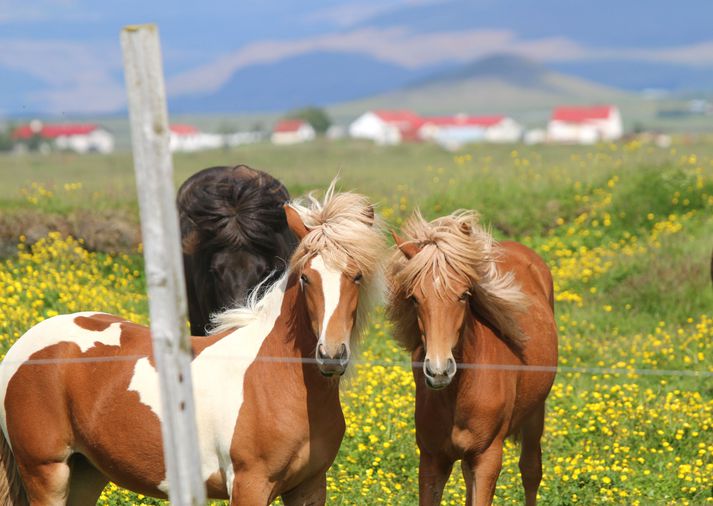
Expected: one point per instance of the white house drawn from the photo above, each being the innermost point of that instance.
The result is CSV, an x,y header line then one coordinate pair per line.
x,y
454,131
187,138
241,138
80,138
292,131
585,125
386,127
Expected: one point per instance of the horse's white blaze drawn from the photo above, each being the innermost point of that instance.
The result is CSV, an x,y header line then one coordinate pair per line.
x,y
331,291
218,376
49,332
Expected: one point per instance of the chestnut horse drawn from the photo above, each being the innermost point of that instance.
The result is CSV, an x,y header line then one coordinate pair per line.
x,y
234,236
472,312
266,382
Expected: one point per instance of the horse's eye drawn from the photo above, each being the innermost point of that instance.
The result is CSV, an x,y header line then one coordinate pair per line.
x,y
464,296
414,300
358,278
304,279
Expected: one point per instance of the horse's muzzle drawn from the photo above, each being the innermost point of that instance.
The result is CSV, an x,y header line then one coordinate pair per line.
x,y
437,379
334,364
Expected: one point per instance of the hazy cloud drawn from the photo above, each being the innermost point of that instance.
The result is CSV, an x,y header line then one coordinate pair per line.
x,y
349,14
80,77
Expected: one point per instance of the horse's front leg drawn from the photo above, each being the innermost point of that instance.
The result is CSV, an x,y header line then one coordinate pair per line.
x,y
250,489
485,467
311,492
433,474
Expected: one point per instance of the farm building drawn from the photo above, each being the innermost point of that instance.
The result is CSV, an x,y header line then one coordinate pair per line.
x,y
387,127
454,131
585,125
80,138
188,138
292,131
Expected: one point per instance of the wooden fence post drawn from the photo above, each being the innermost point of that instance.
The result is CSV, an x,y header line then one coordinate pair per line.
x,y
164,262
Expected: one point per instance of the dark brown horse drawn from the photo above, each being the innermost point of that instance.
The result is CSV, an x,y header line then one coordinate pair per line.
x,y
475,314
79,397
234,237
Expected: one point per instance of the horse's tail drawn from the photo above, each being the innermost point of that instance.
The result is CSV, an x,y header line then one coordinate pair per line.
x,y
12,491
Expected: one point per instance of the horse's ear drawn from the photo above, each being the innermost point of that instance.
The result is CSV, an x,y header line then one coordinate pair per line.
x,y
294,222
369,213
466,228
409,249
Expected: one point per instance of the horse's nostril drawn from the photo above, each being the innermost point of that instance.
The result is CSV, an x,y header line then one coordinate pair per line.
x,y
321,352
342,351
451,367
427,367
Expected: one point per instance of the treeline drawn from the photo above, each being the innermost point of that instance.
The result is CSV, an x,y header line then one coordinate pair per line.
x,y
6,142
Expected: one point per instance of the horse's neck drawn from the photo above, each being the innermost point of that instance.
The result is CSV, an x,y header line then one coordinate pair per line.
x,y
293,333
479,344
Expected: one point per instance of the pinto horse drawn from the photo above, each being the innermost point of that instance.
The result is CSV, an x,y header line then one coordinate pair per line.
x,y
80,399
234,236
472,312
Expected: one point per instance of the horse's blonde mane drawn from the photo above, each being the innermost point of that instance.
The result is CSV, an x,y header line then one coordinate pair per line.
x,y
345,232
453,248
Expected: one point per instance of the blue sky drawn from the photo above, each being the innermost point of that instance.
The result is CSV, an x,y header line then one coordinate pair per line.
x,y
63,55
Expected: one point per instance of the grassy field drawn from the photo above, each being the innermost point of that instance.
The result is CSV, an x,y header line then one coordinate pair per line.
x,y
627,230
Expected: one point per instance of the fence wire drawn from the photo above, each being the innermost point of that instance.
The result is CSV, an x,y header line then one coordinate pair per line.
x,y
614,371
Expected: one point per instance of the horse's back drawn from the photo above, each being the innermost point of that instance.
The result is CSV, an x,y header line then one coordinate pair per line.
x,y
66,387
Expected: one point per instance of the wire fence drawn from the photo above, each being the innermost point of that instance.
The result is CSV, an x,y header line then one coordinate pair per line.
x,y
404,364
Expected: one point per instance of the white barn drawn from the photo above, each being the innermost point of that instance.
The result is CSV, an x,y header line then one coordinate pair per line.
x,y
80,138
187,138
454,131
585,125
386,127
292,131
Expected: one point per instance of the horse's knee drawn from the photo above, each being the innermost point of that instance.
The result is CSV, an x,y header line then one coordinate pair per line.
x,y
46,484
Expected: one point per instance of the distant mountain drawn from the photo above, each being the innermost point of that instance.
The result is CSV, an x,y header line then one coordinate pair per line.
x,y
514,69
497,84
318,78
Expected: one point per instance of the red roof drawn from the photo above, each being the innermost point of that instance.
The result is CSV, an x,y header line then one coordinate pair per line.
x,y
484,121
582,114
183,129
399,117
53,131
407,122
288,125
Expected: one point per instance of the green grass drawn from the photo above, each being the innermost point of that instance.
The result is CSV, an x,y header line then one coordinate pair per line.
x,y
626,229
